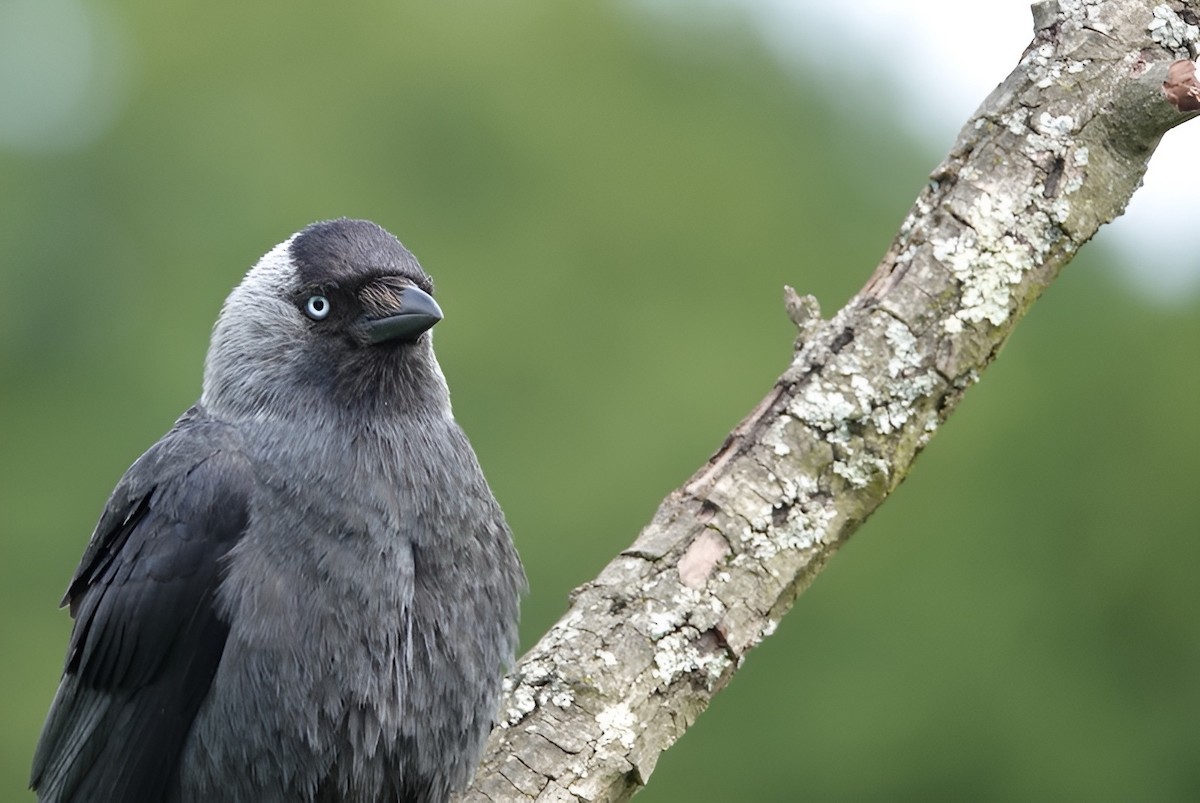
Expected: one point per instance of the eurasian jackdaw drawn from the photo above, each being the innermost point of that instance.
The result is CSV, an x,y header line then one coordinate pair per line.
x,y
305,591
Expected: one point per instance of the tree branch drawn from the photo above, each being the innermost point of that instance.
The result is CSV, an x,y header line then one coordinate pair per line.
x,y
1055,151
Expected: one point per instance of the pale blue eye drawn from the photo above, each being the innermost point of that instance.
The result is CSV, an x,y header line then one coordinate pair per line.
x,y
317,307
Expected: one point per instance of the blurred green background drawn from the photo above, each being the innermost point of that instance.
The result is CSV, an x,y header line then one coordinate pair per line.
x,y
610,203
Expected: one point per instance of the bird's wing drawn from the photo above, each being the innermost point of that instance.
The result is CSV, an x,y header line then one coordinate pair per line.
x,y
148,635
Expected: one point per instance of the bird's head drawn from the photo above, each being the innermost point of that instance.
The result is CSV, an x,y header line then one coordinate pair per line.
x,y
338,314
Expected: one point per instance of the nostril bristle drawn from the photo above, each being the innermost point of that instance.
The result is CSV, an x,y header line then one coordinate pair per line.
x,y
381,297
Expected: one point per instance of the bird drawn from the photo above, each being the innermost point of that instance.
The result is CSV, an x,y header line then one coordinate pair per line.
x,y
305,591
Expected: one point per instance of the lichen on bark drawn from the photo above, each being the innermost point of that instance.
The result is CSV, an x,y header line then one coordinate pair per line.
x,y
1054,152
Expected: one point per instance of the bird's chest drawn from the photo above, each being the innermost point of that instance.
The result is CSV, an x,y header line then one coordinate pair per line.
x,y
333,575
351,608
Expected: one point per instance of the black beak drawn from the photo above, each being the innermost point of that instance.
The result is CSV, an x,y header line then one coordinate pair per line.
x,y
416,313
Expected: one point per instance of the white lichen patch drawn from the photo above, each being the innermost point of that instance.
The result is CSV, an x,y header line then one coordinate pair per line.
x,y
864,390
859,468
541,678
1052,70
1055,125
990,214
1006,236
905,356
988,259
886,400
1170,30
987,270
707,615
910,382
677,654
1016,121
1059,210
806,524
1048,71
666,608
793,488
660,623
1092,12
1039,56
617,724
824,407
521,702
920,208
561,697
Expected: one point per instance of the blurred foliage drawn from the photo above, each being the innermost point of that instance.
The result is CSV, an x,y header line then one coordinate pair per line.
x,y
610,204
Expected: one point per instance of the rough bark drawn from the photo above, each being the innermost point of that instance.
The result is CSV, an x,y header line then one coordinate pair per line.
x,y
1053,153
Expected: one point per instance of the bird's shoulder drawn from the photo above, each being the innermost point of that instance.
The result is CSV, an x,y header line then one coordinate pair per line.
x,y
187,493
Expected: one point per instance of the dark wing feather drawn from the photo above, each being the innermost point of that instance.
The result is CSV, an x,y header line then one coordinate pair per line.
x,y
148,636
